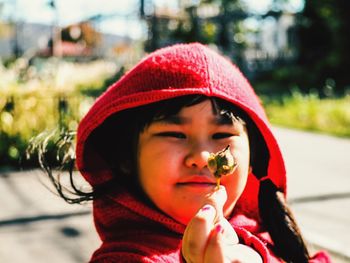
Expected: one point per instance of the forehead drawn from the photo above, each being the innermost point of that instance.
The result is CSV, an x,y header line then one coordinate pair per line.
x,y
203,111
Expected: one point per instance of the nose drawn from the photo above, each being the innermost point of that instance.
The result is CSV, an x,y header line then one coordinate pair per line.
x,y
197,158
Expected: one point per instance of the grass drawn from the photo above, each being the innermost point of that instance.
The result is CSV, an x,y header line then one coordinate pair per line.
x,y
309,112
37,99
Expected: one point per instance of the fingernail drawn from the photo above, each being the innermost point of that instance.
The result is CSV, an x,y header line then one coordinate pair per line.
x,y
219,229
206,208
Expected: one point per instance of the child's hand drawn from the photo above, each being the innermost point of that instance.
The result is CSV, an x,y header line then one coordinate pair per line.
x,y
209,237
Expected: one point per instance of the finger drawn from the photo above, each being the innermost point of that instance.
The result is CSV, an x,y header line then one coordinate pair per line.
x,y
218,251
217,199
230,236
243,253
197,233
214,251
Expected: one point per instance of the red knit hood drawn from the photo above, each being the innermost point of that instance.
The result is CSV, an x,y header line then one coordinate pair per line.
x,y
171,72
134,231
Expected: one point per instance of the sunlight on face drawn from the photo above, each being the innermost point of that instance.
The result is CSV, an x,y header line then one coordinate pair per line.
x,y
172,160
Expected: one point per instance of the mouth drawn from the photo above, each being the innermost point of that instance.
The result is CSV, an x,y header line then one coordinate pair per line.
x,y
196,187
198,182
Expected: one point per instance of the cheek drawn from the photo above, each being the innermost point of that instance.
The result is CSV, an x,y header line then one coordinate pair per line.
x,y
239,180
157,167
242,171
236,182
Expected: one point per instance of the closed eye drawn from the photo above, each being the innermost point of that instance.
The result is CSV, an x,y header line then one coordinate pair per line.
x,y
178,135
222,135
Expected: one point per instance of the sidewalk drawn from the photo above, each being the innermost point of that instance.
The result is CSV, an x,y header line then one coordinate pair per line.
x,y
318,168
37,226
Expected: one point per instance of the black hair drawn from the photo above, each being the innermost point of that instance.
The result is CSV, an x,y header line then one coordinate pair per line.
x,y
279,220
116,142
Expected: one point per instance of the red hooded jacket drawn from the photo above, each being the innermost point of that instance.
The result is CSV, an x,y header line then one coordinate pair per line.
x,y
132,231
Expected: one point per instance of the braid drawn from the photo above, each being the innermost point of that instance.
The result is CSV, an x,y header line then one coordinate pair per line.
x,y
274,211
280,223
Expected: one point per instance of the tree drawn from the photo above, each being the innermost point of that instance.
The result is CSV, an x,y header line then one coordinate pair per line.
x,y
219,29
323,40
324,43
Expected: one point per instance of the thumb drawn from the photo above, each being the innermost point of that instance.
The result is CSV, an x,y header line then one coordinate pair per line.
x,y
217,199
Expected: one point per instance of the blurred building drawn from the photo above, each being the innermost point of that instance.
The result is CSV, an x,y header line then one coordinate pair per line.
x,y
271,43
275,43
31,40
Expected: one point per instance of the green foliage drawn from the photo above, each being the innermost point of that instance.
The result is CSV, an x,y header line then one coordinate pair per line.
x,y
322,31
215,22
321,42
309,112
35,112
45,101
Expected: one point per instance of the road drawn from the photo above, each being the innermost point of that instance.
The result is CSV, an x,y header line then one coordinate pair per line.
x,y
318,168
37,226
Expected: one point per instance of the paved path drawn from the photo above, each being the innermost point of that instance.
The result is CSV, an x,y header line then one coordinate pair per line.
x,y
37,226
318,169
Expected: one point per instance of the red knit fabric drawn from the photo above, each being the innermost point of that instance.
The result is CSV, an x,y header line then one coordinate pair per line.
x,y
132,231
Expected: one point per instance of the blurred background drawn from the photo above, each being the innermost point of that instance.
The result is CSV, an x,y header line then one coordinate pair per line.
x,y
57,56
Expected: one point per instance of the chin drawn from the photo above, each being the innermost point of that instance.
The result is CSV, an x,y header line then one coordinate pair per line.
x,y
189,214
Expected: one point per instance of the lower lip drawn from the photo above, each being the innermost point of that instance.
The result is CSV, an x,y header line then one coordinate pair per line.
x,y
197,185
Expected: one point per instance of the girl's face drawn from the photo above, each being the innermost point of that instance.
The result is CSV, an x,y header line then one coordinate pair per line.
x,y
172,160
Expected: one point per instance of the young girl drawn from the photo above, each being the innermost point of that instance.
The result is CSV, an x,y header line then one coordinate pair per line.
x,y
144,147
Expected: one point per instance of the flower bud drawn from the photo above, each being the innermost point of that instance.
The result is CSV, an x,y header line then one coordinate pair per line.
x,y
221,163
